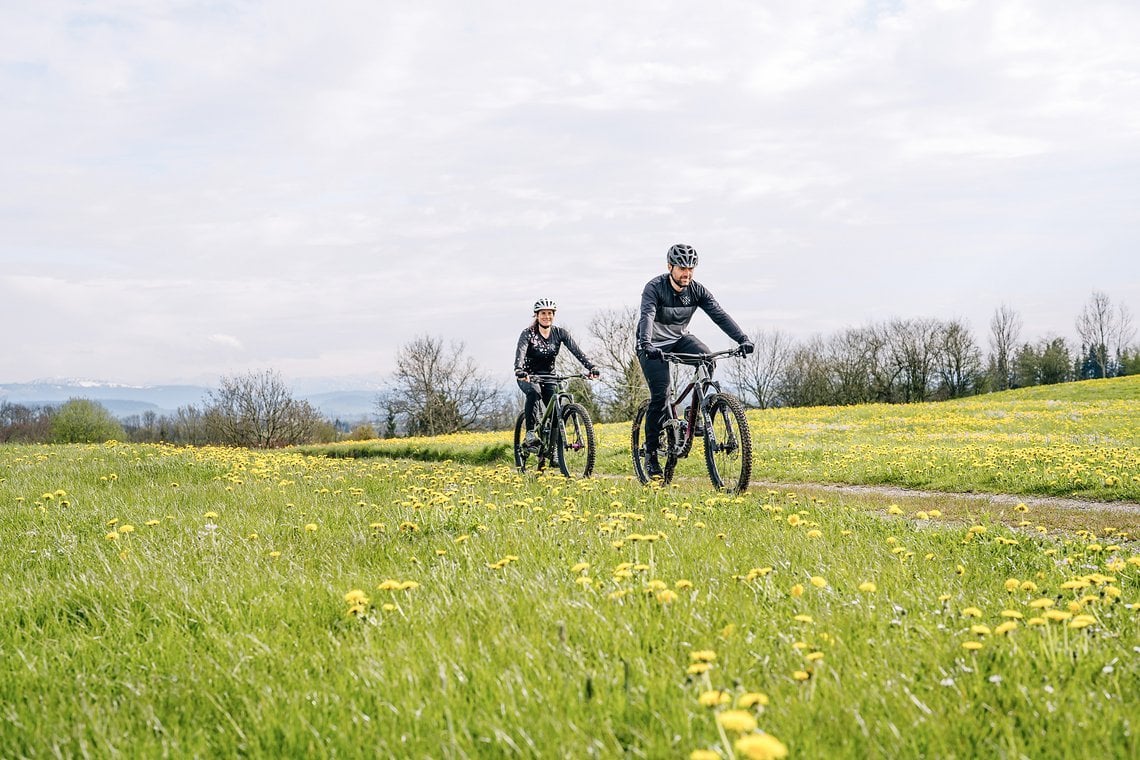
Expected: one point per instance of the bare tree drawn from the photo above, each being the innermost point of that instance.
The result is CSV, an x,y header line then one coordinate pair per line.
x,y
1005,331
1104,332
806,380
913,348
615,354
438,389
959,361
758,375
257,410
853,356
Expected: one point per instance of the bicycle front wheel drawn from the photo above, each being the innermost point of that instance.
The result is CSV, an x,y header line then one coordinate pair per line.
x,y
524,457
728,444
577,450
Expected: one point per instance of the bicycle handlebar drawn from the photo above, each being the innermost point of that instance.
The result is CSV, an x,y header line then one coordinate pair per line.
x,y
683,358
556,378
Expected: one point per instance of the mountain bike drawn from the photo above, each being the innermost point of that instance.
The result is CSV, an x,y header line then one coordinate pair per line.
x,y
565,433
706,411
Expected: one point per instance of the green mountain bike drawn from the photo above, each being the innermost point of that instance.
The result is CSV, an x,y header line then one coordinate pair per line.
x,y
702,409
565,433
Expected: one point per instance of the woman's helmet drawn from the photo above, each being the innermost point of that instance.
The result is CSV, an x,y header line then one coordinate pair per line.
x,y
682,255
545,303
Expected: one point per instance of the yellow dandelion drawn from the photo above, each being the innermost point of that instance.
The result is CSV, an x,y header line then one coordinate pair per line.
x,y
704,754
127,529
1012,584
356,596
740,721
311,528
760,747
797,590
683,584
698,668
112,536
580,567
980,630
1006,627
868,587
972,646
1042,603
667,596
819,581
971,612
801,675
274,554
1012,614
752,699
1082,621
803,618
714,698
210,515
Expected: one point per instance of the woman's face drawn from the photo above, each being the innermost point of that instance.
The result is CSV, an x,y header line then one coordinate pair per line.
x,y
545,317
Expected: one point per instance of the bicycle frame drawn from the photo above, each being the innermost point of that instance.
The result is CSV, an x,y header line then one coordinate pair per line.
x,y
698,388
558,399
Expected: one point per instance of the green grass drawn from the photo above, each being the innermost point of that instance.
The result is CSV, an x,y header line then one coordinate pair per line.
x,y
223,630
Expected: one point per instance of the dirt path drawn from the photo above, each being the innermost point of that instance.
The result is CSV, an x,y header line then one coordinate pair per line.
x,y
892,492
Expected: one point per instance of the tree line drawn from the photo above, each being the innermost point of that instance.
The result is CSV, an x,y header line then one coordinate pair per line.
x,y
437,388
254,410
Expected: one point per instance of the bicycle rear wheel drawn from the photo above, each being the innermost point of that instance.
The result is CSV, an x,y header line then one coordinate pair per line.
x,y
577,450
666,448
728,444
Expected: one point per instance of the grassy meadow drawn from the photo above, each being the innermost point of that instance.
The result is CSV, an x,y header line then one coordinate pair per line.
x,y
159,601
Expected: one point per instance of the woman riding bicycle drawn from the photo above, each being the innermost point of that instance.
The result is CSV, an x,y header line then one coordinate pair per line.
x,y
668,302
535,353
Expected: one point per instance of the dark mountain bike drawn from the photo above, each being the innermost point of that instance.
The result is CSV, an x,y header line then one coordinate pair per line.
x,y
700,409
565,433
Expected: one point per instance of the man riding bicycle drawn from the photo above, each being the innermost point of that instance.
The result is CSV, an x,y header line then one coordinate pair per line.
x,y
537,348
668,303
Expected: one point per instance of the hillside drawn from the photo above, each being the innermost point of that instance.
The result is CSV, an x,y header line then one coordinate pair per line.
x,y
1075,440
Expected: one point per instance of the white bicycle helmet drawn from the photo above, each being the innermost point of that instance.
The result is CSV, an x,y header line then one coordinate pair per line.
x,y
545,303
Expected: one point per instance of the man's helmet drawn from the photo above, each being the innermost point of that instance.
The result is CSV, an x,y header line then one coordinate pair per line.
x,y
545,303
682,255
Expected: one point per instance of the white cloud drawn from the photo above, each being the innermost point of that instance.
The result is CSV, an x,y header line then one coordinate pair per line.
x,y
226,341
327,181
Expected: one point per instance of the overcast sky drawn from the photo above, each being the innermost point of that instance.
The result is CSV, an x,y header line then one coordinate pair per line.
x,y
192,189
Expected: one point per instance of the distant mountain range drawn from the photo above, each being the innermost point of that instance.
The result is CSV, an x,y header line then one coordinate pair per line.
x,y
127,400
